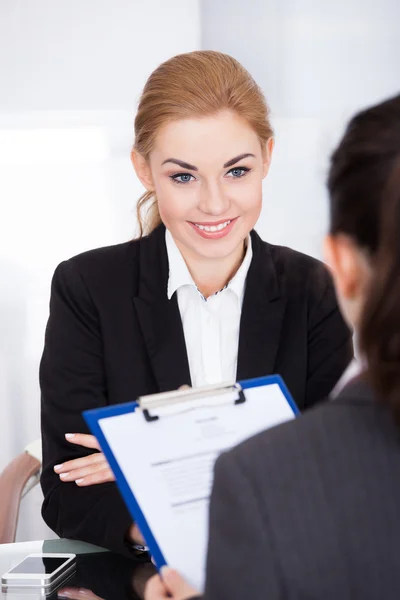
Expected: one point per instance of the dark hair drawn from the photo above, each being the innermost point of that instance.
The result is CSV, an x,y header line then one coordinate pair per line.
x,y
364,187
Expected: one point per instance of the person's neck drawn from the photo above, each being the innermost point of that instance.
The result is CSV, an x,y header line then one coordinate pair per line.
x,y
212,274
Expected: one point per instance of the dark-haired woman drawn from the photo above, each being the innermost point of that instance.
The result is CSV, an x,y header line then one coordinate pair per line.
x,y
311,509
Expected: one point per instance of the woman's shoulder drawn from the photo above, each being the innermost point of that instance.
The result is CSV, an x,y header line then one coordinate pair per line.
x,y
286,257
294,269
333,428
120,256
106,256
110,267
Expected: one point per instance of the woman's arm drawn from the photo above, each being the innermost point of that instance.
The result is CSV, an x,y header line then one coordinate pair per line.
x,y
72,380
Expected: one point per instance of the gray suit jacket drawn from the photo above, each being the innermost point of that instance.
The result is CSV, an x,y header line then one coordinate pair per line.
x,y
310,509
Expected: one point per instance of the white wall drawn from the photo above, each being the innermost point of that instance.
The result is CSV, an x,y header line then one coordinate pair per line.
x,y
317,63
71,73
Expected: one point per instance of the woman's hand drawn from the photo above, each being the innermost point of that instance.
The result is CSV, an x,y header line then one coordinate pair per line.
x,y
169,585
88,470
77,594
135,536
142,573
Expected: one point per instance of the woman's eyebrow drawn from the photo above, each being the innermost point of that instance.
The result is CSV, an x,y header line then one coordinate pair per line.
x,y
236,159
190,167
181,163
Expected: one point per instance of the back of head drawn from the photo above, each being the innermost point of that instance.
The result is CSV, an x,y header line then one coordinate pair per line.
x,y
364,186
194,85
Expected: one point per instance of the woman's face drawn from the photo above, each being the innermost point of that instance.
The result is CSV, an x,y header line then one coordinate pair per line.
x,y
207,174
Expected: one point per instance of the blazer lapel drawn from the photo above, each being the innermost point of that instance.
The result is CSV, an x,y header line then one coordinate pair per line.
x,y
159,318
262,315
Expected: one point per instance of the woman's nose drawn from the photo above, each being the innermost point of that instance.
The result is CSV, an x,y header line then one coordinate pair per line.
x,y
213,200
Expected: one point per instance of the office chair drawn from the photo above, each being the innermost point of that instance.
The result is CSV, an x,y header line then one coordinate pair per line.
x,y
17,479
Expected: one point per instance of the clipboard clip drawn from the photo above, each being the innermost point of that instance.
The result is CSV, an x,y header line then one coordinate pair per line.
x,y
164,399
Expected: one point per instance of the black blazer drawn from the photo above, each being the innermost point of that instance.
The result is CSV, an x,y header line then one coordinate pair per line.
x,y
113,335
310,510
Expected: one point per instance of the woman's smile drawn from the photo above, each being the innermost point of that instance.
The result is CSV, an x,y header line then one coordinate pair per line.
x,y
214,230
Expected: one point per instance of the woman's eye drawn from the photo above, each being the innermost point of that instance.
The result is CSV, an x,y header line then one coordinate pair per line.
x,y
182,177
238,172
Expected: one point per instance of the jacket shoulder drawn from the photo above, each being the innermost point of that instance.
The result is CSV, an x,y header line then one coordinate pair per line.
x,y
296,263
107,257
334,428
107,267
298,274
288,438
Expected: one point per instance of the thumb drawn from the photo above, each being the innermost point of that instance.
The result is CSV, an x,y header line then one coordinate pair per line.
x,y
175,584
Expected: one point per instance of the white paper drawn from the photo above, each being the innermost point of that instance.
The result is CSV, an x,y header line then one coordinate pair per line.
x,y
168,464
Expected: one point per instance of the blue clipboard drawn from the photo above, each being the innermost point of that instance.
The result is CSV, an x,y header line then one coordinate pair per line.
x,y
92,418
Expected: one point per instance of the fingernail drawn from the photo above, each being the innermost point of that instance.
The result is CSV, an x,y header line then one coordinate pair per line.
x,y
58,467
79,480
64,475
66,594
69,435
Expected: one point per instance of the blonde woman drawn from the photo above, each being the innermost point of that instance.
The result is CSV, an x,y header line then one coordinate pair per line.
x,y
197,299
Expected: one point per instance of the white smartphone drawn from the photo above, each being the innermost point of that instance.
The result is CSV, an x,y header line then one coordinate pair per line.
x,y
40,571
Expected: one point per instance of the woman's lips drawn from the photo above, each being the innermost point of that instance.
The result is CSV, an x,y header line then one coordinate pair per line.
x,y
214,230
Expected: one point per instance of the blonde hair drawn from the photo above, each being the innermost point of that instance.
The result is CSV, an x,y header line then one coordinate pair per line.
x,y
196,84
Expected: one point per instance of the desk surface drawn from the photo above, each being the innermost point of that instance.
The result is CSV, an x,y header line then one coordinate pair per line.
x,y
106,575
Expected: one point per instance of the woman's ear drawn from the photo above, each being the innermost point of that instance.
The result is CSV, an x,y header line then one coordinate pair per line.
x,y
267,155
348,265
142,169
